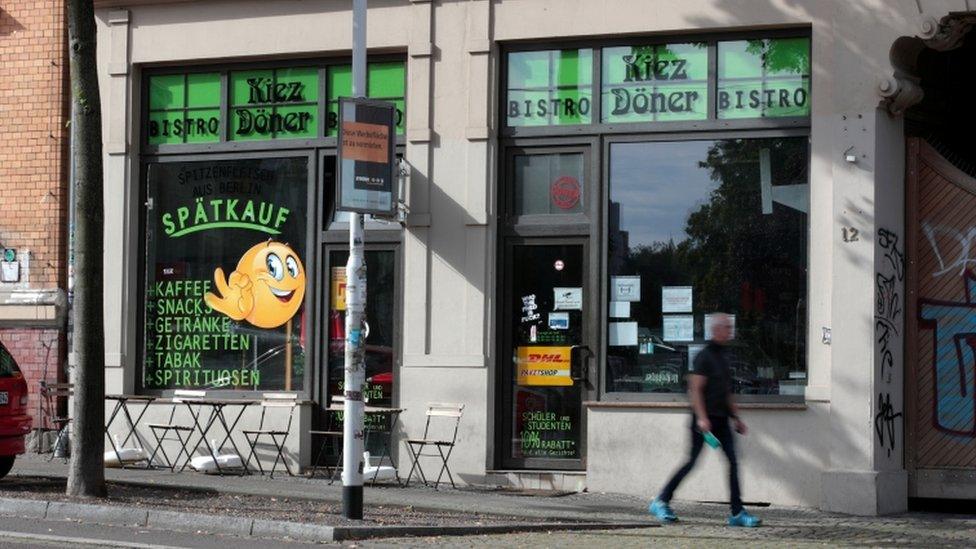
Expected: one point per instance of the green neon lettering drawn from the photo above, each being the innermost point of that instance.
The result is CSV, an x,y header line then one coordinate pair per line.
x,y
225,225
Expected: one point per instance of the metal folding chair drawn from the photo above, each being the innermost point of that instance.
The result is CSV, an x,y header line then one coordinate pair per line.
x,y
333,433
444,413
52,394
272,400
179,396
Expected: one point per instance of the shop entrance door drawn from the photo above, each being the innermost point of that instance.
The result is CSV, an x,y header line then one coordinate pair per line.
x,y
547,358
381,342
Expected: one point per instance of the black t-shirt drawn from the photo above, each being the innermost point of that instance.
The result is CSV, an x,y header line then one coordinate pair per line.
x,y
713,363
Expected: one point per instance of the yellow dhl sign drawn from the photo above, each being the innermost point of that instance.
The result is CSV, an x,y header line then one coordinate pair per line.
x,y
543,366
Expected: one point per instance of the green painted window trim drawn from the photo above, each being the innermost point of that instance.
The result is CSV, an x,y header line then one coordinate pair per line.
x,y
751,78
281,102
184,108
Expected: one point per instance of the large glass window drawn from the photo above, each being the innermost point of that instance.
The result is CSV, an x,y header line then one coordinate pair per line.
x,y
655,83
699,227
651,82
384,82
764,78
226,275
550,87
274,103
380,340
184,108
548,184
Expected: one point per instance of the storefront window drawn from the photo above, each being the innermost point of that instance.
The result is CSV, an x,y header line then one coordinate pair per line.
x,y
699,227
655,83
550,87
274,103
225,275
262,103
764,78
754,78
384,82
548,184
184,108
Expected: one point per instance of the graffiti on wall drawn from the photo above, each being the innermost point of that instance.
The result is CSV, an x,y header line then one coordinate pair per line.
x,y
953,359
887,318
950,264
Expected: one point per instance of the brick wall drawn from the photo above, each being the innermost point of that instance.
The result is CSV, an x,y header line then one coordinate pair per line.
x,y
38,353
33,172
33,189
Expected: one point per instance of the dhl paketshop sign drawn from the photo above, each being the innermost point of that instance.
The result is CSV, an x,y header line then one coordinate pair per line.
x,y
543,366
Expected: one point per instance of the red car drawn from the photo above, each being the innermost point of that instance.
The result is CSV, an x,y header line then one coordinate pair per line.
x,y
14,421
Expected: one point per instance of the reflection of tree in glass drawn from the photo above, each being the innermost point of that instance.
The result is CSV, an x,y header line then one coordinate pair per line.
x,y
738,259
751,263
790,55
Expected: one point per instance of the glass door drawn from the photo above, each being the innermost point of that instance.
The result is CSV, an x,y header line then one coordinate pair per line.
x,y
547,353
380,341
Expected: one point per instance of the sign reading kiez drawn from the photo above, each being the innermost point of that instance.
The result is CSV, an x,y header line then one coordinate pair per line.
x,y
366,163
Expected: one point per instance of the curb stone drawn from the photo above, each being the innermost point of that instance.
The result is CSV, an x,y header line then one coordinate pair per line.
x,y
214,524
294,530
103,514
347,533
28,508
261,528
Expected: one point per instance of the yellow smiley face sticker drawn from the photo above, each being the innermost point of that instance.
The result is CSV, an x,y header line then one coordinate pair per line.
x,y
266,289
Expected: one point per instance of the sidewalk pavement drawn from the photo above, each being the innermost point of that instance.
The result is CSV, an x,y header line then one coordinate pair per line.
x,y
701,524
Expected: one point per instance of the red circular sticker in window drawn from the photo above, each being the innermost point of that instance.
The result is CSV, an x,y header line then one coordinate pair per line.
x,y
565,192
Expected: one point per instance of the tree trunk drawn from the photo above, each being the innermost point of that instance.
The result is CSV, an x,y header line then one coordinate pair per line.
x,y
87,474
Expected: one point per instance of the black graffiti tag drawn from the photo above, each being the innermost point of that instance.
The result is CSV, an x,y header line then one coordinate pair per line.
x,y
889,243
888,307
884,422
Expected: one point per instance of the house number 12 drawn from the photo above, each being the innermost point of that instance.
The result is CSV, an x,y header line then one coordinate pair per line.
x,y
850,234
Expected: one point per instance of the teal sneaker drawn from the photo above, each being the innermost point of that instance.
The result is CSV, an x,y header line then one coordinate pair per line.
x,y
745,520
662,511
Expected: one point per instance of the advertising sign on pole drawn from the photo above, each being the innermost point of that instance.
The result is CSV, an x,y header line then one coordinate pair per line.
x,y
367,169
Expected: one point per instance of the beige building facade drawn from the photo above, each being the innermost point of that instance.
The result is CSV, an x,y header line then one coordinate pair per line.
x,y
584,183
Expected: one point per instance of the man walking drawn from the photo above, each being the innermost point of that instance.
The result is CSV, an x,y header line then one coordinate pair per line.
x,y
710,392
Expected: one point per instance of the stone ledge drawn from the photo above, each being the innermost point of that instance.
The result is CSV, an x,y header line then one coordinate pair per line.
x,y
685,405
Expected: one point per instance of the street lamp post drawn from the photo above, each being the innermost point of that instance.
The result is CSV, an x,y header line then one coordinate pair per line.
x,y
355,364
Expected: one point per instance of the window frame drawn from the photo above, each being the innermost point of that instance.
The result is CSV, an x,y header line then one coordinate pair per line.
x,y
598,127
311,259
597,138
258,145
624,396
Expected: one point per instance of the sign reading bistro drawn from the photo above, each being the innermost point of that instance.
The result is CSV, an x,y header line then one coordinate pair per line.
x,y
262,104
661,83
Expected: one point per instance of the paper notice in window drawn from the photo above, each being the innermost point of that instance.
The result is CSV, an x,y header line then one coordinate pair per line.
x,y
619,309
679,328
567,299
625,288
676,299
622,334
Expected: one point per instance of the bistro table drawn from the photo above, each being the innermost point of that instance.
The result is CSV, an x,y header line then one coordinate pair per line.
x,y
387,433
217,416
122,405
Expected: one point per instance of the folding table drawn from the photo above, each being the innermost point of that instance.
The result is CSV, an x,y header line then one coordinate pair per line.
x,y
122,405
217,406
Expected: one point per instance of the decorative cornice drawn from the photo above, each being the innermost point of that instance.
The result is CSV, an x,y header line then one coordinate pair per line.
x,y
902,89
948,33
